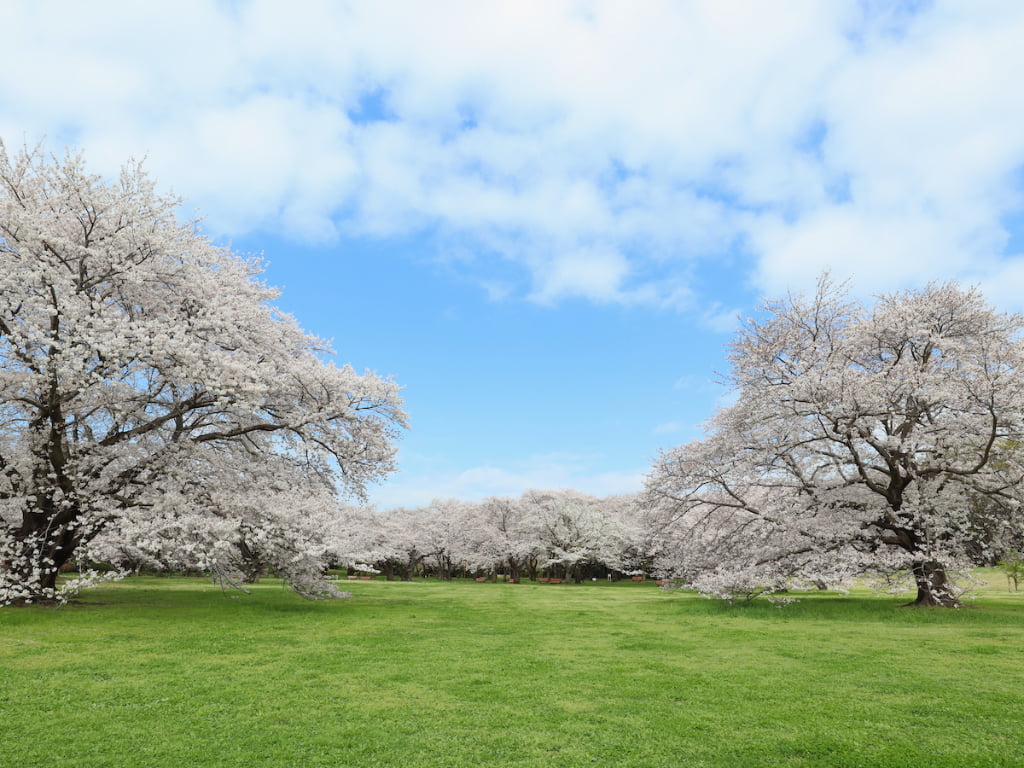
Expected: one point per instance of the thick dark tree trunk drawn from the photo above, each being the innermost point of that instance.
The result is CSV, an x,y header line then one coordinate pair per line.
x,y
44,542
48,577
933,586
252,566
48,535
33,572
407,569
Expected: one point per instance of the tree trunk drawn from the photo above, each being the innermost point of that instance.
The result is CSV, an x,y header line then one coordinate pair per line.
x,y
251,566
29,576
407,569
933,586
34,554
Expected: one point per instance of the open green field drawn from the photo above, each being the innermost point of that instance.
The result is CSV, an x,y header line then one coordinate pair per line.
x,y
171,672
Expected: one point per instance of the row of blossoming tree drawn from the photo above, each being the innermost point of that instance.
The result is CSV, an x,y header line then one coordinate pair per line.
x,y
562,534
558,534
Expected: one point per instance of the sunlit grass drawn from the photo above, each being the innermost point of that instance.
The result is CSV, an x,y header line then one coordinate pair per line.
x,y
171,672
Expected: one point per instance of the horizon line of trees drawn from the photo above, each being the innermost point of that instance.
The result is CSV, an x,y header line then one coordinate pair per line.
x,y
560,534
564,534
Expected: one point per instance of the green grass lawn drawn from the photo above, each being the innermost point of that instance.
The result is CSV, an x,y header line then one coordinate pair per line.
x,y
171,672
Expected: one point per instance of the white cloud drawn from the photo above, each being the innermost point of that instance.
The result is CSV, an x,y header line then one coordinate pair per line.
x,y
1004,285
719,320
872,248
596,274
557,471
923,134
670,428
692,382
604,147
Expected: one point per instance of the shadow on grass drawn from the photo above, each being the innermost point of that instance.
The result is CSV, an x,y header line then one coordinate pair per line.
x,y
836,608
194,598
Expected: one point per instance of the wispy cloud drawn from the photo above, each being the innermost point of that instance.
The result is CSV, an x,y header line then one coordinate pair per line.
x,y
558,471
719,320
670,428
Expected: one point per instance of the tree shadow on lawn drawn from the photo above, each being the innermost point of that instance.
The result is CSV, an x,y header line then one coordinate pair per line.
x,y
836,608
193,598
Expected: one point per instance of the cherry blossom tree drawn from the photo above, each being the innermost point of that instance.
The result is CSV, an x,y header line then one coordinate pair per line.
x,y
504,537
879,437
444,532
573,529
353,538
634,543
401,543
141,364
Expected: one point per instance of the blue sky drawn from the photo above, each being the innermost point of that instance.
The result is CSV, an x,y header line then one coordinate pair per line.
x,y
543,217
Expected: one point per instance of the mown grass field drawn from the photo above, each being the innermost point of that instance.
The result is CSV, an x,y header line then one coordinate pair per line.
x,y
172,673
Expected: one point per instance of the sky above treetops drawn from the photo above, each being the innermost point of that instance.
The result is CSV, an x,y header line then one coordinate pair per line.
x,y
545,218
